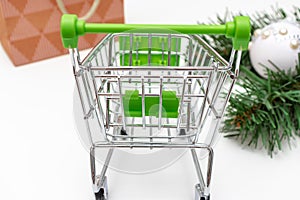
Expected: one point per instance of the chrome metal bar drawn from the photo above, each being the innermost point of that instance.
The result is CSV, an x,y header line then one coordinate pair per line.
x,y
237,65
105,165
181,103
209,166
189,82
198,169
150,76
93,164
123,52
121,103
163,51
152,125
231,59
160,103
84,110
87,89
107,119
146,145
132,128
151,130
115,50
211,51
107,54
95,49
177,47
143,103
173,85
100,109
190,51
169,49
220,83
96,59
111,95
204,58
156,68
101,58
198,56
194,47
203,104
149,48
136,52
151,137
169,131
130,53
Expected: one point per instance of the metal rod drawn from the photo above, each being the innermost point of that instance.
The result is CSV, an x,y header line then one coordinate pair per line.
x,y
146,145
203,104
181,103
105,165
143,103
177,47
209,166
169,131
198,56
130,53
151,130
198,169
169,49
162,51
123,52
121,103
211,51
160,103
150,76
97,98
111,95
93,164
149,48
152,125
157,68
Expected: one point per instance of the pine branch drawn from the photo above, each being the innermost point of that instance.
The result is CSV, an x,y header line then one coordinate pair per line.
x,y
267,112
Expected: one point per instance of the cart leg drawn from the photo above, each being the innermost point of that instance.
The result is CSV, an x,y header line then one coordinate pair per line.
x,y
202,188
100,181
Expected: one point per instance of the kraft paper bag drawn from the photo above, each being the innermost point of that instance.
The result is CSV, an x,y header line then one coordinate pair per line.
x,y
30,29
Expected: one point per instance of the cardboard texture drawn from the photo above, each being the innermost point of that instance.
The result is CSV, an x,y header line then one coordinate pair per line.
x,y
30,29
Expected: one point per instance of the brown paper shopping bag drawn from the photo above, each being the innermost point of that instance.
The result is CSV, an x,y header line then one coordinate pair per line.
x,y
30,29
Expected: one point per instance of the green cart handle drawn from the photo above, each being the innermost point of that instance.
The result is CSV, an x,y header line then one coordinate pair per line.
x,y
238,30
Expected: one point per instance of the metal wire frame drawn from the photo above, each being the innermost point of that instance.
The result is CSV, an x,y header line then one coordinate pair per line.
x,y
105,82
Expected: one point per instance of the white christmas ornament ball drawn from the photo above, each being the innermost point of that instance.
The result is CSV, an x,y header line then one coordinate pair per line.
x,y
279,43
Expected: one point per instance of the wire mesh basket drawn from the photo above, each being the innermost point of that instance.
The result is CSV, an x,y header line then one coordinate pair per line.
x,y
154,86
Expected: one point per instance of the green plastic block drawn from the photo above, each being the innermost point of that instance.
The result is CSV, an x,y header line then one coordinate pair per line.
x,y
132,103
159,50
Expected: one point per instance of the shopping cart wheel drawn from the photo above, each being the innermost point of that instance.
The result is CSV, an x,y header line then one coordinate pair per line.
x,y
205,198
199,195
100,195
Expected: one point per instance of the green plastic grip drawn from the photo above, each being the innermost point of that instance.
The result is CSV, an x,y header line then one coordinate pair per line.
x,y
238,30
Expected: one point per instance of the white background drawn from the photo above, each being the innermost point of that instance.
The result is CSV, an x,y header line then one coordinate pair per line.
x,y
41,156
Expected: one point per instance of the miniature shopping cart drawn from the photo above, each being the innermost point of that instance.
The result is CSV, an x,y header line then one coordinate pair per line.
x,y
154,86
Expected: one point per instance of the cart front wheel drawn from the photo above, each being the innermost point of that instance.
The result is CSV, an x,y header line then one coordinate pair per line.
x,y
205,198
100,195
